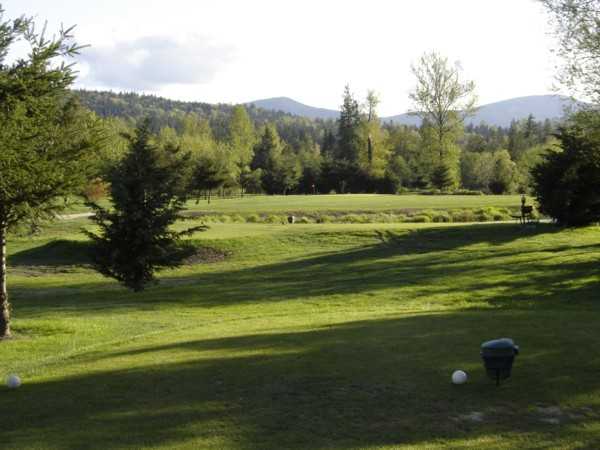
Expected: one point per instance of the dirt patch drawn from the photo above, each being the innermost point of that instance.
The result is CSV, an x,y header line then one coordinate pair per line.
x,y
475,417
555,415
206,255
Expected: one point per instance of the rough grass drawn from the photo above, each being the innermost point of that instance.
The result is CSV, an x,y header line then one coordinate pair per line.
x,y
311,336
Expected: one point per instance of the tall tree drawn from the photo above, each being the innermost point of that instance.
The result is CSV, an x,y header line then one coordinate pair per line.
x,y
148,190
577,25
45,142
242,138
348,147
441,97
372,103
268,157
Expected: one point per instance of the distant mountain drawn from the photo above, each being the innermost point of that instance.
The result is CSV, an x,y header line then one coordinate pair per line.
x,y
500,113
287,105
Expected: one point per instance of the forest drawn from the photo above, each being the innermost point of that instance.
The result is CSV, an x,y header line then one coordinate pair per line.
x,y
239,149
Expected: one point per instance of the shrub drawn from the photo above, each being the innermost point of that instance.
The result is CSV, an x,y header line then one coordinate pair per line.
x,y
325,219
463,215
272,218
567,183
355,218
253,218
420,218
441,216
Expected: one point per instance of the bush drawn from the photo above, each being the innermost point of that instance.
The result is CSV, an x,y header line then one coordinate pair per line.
x,y
253,218
463,215
441,216
275,219
325,219
355,218
420,218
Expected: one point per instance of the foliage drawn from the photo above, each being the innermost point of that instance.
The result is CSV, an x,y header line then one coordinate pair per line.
x,y
47,141
384,158
440,97
441,177
567,182
148,195
577,25
348,142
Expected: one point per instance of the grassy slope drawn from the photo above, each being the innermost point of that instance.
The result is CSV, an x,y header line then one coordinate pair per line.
x,y
314,336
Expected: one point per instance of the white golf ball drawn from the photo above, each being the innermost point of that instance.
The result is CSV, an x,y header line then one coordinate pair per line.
x,y
459,377
13,381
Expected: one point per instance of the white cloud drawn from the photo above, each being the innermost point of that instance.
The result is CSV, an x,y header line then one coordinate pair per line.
x,y
153,62
304,49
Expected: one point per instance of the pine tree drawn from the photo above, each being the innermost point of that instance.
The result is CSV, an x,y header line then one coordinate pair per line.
x,y
268,156
441,177
148,194
348,129
46,141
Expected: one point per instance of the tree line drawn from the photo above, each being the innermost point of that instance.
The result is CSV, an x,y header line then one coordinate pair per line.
x,y
245,149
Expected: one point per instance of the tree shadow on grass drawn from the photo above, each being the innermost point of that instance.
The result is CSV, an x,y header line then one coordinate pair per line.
x,y
512,269
359,384
55,253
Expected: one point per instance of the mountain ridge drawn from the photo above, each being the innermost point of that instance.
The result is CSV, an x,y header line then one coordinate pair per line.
x,y
499,113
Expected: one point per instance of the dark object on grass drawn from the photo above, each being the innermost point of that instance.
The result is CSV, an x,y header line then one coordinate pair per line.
x,y
526,216
498,356
291,219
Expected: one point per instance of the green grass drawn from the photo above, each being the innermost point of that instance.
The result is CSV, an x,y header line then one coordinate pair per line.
x,y
309,336
350,203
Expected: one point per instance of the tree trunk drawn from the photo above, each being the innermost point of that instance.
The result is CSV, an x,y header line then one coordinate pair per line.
x,y
4,305
208,197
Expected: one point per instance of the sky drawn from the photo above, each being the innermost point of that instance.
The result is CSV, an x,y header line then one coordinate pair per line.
x,y
234,51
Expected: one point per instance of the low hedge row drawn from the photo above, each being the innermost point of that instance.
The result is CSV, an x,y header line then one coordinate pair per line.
x,y
489,214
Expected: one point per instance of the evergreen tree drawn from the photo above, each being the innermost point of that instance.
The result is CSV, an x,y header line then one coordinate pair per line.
x,y
441,177
148,195
567,182
328,145
268,157
348,145
46,142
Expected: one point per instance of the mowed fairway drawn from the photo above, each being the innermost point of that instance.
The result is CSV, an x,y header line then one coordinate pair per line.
x,y
309,336
351,203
